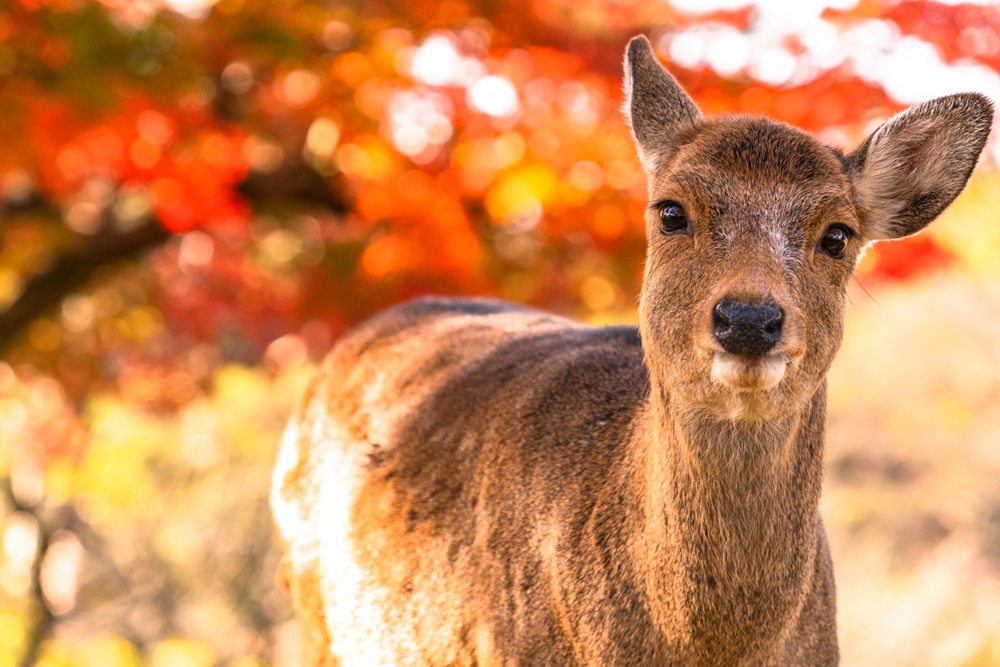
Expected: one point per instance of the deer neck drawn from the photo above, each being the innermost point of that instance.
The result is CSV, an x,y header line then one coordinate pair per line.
x,y
731,523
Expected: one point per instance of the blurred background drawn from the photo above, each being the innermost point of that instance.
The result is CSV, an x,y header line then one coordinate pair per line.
x,y
197,198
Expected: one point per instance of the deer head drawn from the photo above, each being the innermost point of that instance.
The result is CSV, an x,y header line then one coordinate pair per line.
x,y
754,229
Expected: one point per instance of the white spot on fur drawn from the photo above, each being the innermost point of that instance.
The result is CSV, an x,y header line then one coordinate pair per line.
x,y
354,606
779,243
315,521
288,515
780,246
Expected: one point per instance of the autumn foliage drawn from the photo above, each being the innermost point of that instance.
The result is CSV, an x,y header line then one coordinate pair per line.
x,y
198,198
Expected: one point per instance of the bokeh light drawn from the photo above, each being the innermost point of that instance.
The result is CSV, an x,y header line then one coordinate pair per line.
x,y
198,197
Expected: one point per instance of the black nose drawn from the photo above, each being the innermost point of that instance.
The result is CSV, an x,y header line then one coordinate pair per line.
x,y
743,328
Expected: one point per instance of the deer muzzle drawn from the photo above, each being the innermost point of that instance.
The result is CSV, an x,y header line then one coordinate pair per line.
x,y
747,335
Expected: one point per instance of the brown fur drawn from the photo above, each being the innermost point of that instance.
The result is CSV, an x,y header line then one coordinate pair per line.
x,y
470,482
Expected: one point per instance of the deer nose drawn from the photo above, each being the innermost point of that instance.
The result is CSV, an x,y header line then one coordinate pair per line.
x,y
748,329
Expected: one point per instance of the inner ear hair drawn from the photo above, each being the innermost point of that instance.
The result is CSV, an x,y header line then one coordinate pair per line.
x,y
910,169
656,107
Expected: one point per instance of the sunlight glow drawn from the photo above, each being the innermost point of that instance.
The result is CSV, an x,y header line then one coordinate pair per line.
x,y
436,62
300,87
494,96
60,572
418,121
193,9
729,52
773,65
910,55
791,12
20,538
196,251
874,48
322,137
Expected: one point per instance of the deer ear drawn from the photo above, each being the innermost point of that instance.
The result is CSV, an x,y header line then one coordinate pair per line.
x,y
908,171
656,107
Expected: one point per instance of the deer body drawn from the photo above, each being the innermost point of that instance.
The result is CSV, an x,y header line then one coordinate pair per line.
x,y
469,482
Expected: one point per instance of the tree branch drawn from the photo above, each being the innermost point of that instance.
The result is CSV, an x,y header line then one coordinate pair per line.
x,y
70,272
41,628
295,182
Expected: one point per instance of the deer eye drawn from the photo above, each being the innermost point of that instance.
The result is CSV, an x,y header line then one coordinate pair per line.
x,y
673,219
834,242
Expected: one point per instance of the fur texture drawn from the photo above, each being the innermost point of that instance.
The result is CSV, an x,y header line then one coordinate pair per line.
x,y
469,482
909,170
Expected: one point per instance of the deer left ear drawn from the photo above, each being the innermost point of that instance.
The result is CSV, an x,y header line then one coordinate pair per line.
x,y
656,107
908,171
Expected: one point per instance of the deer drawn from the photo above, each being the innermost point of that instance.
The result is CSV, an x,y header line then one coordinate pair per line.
x,y
473,482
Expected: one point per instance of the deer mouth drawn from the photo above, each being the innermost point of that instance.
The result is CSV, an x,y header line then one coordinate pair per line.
x,y
749,373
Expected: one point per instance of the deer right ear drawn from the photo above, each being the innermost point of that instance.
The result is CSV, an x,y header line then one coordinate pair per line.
x,y
911,168
656,107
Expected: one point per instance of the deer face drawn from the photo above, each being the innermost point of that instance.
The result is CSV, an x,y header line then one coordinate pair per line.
x,y
754,229
752,238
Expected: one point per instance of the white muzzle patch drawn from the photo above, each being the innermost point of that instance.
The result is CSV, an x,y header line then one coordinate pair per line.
x,y
747,373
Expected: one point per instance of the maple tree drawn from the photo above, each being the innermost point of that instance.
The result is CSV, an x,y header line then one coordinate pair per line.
x,y
242,183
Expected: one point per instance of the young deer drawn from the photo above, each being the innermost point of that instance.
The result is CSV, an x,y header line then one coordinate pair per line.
x,y
469,482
